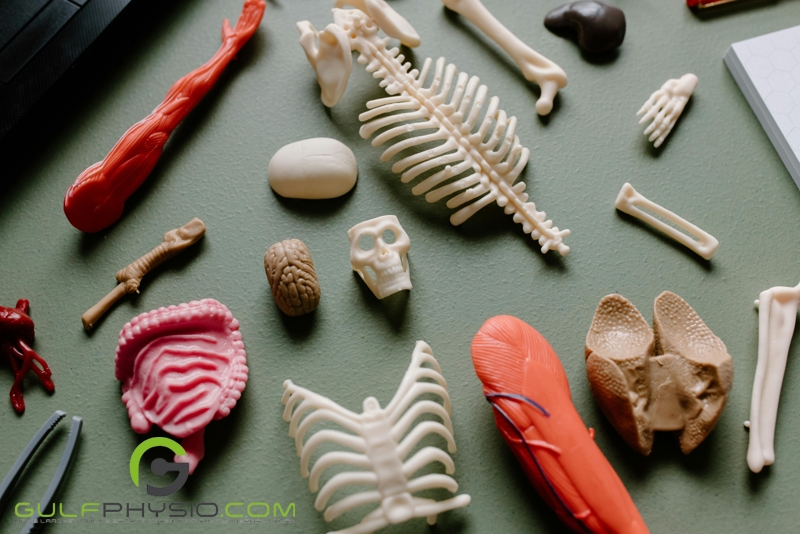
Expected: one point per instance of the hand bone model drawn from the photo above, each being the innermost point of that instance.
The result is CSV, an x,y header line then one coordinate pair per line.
x,y
777,315
129,278
380,448
483,171
97,198
534,66
665,106
389,261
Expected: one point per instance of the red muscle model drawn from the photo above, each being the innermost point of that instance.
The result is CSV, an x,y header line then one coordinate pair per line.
x,y
97,198
526,385
16,335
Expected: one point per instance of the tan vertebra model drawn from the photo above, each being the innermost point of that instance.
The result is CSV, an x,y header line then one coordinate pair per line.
x,y
292,278
129,278
673,378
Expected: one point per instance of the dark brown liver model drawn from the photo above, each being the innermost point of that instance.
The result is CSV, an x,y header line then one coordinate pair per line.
x,y
599,27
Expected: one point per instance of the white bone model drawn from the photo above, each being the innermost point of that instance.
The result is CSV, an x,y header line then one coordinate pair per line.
x,y
534,66
388,261
379,448
630,201
777,314
480,172
665,106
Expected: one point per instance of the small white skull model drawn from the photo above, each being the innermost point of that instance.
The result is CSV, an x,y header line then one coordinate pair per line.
x,y
383,266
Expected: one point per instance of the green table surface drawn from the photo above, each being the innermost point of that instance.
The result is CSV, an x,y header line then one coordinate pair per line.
x,y
717,169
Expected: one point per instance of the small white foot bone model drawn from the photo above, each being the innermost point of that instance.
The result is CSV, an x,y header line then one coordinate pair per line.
x,y
630,201
452,110
534,66
777,314
665,106
379,448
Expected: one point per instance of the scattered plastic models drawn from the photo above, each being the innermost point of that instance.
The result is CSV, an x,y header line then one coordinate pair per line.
x,y
379,448
16,337
777,314
388,262
96,200
526,385
292,277
485,171
14,474
181,367
631,202
597,26
129,278
534,66
314,169
674,379
665,106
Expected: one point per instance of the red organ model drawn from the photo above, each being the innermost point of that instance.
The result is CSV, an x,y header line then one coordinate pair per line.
x,y
96,200
16,335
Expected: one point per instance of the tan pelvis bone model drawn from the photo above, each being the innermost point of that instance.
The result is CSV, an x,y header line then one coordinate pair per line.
x,y
462,166
631,201
676,378
129,278
665,106
777,315
534,66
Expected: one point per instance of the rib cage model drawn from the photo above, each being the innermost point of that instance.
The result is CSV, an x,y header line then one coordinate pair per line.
x,y
380,448
470,168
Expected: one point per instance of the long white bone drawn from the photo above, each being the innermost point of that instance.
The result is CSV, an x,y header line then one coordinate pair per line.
x,y
630,201
379,450
777,314
534,66
665,106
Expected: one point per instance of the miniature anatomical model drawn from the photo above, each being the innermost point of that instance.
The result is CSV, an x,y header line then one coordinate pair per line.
x,y
291,277
526,385
483,171
598,27
313,168
370,250
777,314
16,337
379,444
665,106
631,201
706,3
129,278
674,379
534,66
97,198
181,367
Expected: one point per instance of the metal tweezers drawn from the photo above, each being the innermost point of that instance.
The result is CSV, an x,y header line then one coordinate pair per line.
x,y
7,486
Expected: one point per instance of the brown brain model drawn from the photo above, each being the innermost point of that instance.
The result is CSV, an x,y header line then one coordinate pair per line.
x,y
292,278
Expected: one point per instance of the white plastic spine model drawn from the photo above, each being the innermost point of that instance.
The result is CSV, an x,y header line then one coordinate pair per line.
x,y
476,172
379,448
777,315
534,66
665,106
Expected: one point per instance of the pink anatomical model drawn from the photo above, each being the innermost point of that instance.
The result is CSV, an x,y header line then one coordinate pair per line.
x,y
181,367
96,200
16,335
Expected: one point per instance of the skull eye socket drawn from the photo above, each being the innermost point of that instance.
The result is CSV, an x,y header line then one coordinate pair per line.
x,y
366,242
389,236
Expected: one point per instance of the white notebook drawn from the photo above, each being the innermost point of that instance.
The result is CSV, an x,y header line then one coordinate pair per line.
x,y
767,69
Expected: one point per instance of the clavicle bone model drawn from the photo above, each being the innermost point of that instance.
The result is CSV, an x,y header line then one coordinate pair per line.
x,y
534,66
480,172
665,106
380,448
631,201
777,315
389,261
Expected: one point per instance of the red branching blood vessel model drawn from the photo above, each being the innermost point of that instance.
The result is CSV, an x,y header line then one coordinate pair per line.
x,y
16,335
526,385
96,199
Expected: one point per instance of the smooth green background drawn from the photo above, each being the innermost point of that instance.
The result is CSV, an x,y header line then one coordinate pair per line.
x,y
717,169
